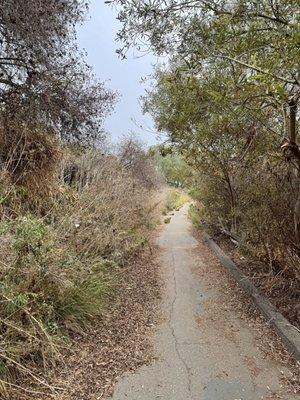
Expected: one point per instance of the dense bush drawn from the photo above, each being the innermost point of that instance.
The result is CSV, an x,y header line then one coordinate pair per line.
x,y
175,199
140,164
172,165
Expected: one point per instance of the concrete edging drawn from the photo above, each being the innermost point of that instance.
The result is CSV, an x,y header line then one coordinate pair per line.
x,y
289,334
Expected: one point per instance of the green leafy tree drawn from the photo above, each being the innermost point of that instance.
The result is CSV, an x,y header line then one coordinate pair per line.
x,y
249,48
174,167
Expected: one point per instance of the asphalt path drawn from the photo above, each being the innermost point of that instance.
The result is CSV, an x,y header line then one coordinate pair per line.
x,y
199,357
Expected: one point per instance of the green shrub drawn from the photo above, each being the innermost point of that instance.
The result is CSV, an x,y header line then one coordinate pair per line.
x,y
195,215
175,199
30,234
48,289
195,193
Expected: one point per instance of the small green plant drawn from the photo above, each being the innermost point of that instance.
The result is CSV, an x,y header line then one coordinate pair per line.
x,y
86,299
30,234
195,215
4,227
195,193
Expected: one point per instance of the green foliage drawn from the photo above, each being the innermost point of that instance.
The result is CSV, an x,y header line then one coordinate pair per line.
x,y
54,287
30,233
195,216
86,299
195,193
228,109
174,169
175,199
171,165
258,36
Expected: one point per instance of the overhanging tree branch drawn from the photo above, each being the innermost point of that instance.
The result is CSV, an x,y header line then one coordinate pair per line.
x,y
257,69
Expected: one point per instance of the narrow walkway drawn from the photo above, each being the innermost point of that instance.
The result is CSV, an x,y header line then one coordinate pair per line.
x,y
196,357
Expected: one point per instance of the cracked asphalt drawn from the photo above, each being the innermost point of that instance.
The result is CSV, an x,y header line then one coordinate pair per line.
x,y
197,359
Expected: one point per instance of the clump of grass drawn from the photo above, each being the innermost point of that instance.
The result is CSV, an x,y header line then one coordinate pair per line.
x,y
194,193
175,199
195,215
46,290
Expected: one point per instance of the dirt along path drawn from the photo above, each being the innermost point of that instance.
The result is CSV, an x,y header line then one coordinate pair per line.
x,y
205,349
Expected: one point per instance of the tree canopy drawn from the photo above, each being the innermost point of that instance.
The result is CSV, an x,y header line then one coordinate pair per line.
x,y
44,81
256,42
227,99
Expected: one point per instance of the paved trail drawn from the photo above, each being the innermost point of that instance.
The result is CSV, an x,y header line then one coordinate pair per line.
x,y
199,357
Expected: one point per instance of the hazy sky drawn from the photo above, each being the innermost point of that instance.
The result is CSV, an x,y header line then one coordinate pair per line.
x,y
97,37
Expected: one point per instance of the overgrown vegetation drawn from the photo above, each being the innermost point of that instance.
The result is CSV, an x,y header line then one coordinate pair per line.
x,y
175,199
228,103
171,165
195,216
72,212
60,265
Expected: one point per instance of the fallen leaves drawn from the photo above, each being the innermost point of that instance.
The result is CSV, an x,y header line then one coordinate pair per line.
x,y
121,341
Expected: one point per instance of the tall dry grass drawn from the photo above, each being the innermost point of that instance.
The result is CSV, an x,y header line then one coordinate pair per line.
x,y
61,254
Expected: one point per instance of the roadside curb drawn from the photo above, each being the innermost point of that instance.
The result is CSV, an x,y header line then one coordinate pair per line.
x,y
288,332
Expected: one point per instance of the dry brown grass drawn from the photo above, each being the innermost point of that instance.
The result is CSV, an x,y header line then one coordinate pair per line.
x,y
61,254
29,169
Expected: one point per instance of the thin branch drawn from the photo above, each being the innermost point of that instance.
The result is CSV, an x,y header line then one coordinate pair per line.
x,y
14,386
29,372
257,69
270,18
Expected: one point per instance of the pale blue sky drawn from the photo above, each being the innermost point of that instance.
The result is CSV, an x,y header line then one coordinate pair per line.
x,y
97,37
